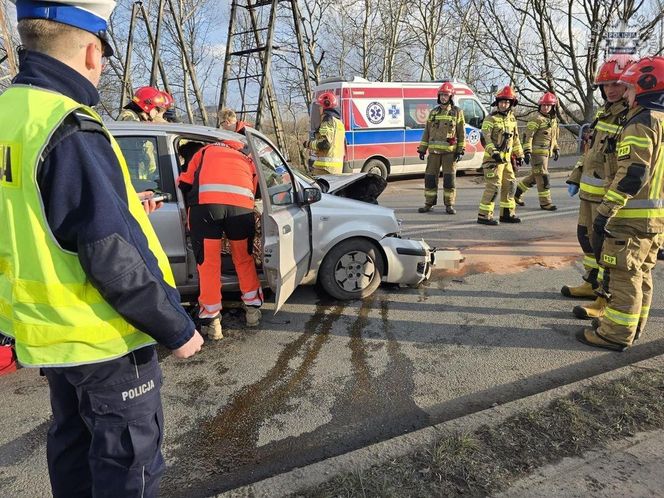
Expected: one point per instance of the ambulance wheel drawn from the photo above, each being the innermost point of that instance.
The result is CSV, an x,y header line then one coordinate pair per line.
x,y
352,269
376,167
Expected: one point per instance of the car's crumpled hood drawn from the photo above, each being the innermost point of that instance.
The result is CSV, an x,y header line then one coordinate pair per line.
x,y
359,186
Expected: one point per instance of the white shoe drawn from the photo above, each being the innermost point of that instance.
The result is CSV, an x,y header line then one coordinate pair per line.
x,y
252,315
213,329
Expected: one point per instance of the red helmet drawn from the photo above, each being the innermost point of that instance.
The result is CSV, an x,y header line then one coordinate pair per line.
x,y
447,88
548,99
168,100
327,100
646,76
612,69
147,98
506,93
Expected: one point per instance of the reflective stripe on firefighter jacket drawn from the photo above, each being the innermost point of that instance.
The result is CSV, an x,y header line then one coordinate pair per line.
x,y
541,136
220,174
445,130
47,302
328,146
501,134
635,198
595,170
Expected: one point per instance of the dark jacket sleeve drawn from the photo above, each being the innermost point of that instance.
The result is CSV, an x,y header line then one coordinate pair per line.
x,y
86,207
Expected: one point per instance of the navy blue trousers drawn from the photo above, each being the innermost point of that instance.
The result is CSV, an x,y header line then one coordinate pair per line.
x,y
105,440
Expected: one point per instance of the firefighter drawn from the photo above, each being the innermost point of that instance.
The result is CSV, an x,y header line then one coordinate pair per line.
x,y
501,137
86,287
444,138
591,175
228,121
329,142
540,143
147,104
628,229
220,185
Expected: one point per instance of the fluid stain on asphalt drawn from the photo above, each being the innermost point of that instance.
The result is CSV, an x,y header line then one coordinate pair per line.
x,y
226,443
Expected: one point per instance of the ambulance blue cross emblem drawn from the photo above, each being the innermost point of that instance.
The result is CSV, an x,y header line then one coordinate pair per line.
x,y
394,111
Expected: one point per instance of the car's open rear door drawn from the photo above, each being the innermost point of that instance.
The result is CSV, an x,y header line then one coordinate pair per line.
x,y
286,231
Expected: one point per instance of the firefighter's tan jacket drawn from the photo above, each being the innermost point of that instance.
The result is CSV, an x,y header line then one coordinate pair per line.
x,y
445,130
541,136
597,167
500,133
328,147
634,201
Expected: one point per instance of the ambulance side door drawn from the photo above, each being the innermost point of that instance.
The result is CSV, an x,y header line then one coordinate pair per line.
x,y
285,223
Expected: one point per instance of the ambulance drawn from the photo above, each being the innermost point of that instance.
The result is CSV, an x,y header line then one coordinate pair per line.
x,y
384,123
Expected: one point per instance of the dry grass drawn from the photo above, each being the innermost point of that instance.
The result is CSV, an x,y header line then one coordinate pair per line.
x,y
488,460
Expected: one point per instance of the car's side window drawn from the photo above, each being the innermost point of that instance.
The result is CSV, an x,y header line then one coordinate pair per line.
x,y
417,112
472,112
275,171
142,161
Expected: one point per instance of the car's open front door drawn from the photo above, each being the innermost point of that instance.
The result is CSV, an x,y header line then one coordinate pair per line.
x,y
285,223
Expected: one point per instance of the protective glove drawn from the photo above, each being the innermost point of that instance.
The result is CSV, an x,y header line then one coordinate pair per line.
x,y
422,155
519,162
497,157
526,158
458,156
556,155
599,224
572,189
599,234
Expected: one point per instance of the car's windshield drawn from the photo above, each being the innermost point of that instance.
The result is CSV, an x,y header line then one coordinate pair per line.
x,y
304,176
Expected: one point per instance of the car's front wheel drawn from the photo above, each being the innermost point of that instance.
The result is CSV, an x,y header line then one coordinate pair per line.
x,y
353,269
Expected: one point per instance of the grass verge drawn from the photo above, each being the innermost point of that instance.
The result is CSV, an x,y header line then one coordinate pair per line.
x,y
490,459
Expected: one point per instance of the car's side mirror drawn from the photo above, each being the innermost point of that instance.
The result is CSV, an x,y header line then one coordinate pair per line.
x,y
311,195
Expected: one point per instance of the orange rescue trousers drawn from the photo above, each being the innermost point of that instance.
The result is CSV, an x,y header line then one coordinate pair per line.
x,y
208,224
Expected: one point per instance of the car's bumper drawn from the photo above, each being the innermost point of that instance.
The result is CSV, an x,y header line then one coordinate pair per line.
x,y
411,261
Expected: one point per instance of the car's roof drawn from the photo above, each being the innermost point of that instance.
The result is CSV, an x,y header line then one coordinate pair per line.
x,y
175,128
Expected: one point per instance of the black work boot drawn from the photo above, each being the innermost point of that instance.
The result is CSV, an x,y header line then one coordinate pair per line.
x,y
518,197
510,219
425,209
450,210
549,207
487,221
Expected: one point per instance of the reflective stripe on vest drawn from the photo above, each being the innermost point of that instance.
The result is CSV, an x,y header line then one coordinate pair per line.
x,y
226,189
47,302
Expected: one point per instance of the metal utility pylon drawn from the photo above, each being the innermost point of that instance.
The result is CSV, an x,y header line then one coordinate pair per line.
x,y
248,60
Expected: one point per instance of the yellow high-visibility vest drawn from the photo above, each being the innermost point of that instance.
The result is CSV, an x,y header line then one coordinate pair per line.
x,y
47,303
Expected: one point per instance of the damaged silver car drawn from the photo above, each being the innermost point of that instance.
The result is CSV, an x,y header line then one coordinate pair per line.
x,y
309,230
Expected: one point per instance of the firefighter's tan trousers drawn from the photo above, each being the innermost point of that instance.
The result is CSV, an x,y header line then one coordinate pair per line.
x,y
539,175
435,162
498,177
630,259
587,212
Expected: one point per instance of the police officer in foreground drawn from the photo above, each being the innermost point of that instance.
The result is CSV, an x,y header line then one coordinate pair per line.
x,y
591,176
539,143
444,137
85,287
628,230
501,138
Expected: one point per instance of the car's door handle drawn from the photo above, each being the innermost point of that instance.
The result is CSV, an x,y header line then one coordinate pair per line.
x,y
286,229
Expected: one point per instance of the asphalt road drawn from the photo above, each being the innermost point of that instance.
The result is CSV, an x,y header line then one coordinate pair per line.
x,y
322,377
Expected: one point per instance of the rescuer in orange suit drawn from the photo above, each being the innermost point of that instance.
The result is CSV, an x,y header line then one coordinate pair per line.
x,y
220,185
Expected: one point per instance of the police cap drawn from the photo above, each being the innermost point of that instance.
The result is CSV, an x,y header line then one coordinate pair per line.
x,y
88,15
